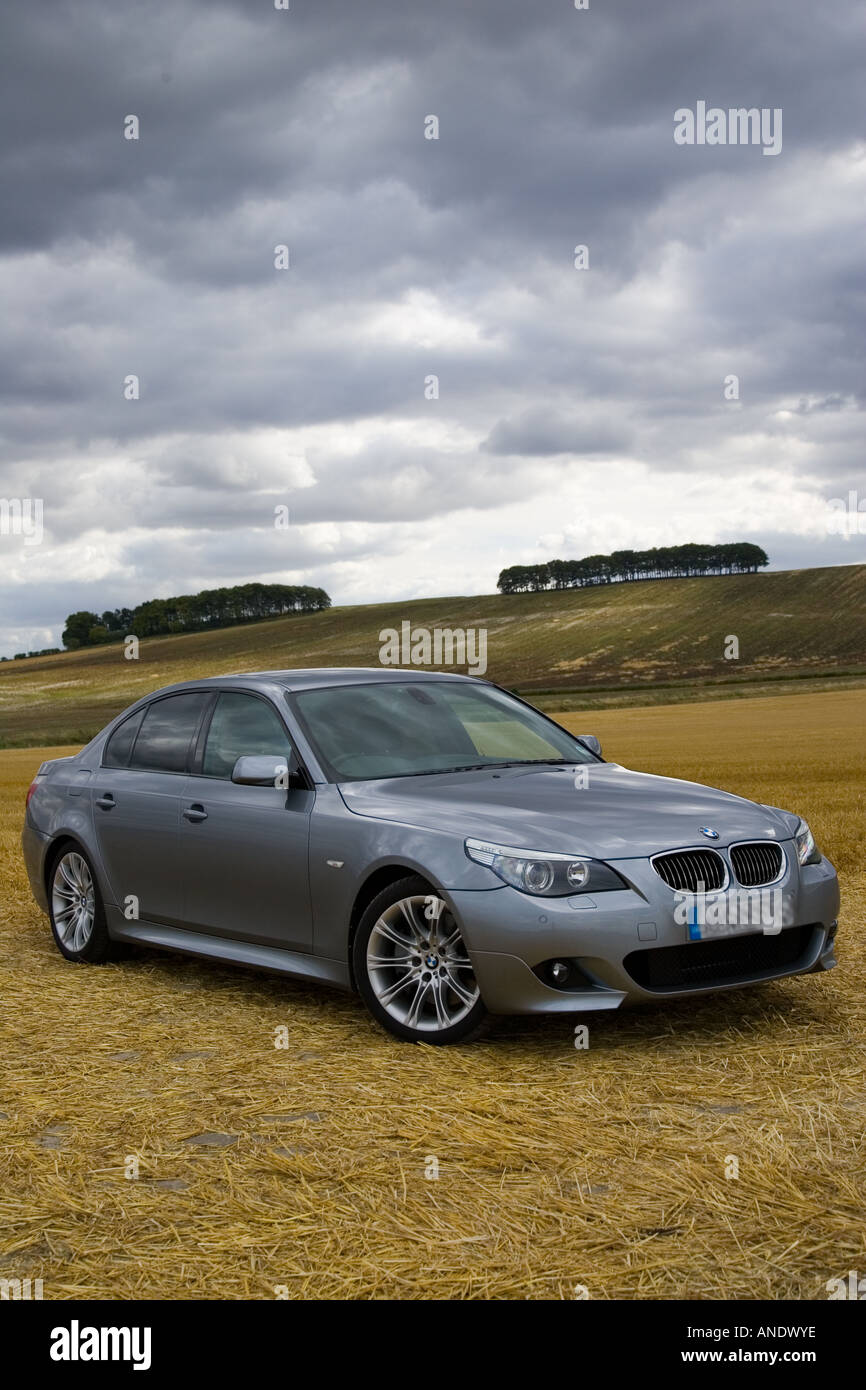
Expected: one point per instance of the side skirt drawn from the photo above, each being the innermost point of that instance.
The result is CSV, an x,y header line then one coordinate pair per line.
x,y
221,948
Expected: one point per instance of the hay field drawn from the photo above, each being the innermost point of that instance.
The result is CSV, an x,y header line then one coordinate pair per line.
x,y
302,1170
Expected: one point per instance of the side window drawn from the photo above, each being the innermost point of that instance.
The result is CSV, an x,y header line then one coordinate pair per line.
x,y
166,732
242,724
119,746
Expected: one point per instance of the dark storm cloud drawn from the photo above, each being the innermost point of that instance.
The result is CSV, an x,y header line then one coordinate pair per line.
x,y
409,258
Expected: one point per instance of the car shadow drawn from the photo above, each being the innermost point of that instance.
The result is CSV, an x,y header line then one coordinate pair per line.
x,y
717,1020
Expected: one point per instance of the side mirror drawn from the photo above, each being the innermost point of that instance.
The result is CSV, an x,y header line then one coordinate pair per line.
x,y
265,770
591,742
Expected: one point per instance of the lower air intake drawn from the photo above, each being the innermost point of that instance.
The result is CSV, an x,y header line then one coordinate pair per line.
x,y
706,964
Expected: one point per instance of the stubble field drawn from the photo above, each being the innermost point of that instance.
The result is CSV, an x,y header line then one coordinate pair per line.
x,y
303,1171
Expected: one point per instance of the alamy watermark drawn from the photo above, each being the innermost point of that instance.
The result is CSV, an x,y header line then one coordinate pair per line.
x,y
725,914
847,516
77,1343
441,646
739,125
16,1289
22,516
851,1287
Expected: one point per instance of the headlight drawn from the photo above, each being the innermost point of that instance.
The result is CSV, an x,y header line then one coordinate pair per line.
x,y
545,875
807,850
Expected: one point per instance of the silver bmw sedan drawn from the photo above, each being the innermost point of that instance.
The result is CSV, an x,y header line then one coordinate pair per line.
x,y
428,840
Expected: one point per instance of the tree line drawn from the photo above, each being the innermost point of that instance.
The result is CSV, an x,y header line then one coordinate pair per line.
x,y
212,608
621,566
43,651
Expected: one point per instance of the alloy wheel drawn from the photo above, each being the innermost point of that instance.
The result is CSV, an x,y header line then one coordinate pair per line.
x,y
418,965
73,900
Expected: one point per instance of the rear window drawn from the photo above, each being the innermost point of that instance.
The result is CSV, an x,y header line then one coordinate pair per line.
x,y
166,732
119,746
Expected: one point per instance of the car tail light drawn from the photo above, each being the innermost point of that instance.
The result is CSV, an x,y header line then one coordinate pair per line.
x,y
31,789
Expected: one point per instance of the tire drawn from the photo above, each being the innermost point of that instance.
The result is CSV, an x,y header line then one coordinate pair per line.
x,y
76,910
412,969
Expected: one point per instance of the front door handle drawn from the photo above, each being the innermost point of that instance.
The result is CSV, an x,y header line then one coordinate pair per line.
x,y
106,801
195,812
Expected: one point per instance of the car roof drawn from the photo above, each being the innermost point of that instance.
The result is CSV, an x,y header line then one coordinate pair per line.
x,y
317,678
341,675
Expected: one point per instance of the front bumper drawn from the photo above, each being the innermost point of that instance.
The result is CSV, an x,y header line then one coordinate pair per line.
x,y
627,946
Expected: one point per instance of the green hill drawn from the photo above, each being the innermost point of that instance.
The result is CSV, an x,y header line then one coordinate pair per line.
x,y
575,648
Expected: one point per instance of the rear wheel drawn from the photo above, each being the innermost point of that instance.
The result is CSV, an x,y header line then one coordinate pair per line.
x,y
412,967
76,911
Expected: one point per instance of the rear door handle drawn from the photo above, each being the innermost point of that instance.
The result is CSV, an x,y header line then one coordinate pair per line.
x,y
106,801
195,812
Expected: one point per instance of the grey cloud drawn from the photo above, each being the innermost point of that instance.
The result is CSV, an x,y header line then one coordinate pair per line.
x,y
306,127
541,433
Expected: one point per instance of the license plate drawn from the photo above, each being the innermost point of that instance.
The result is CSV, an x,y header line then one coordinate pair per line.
x,y
699,929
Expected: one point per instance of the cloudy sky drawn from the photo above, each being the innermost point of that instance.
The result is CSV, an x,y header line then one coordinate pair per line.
x,y
579,409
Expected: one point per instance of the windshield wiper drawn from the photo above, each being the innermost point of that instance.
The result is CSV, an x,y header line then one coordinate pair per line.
x,y
507,762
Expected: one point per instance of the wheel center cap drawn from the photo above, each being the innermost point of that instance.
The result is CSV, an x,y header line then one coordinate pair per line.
x,y
431,962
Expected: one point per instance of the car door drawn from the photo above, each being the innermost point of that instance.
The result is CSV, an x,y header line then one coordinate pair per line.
x,y
136,805
245,848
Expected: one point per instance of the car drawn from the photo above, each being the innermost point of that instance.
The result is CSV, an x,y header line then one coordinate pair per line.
x,y
428,840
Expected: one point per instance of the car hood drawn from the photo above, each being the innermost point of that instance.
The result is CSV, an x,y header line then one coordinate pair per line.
x,y
620,814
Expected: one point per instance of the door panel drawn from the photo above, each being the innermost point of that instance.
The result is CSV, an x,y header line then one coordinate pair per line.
x,y
245,864
136,804
136,817
244,848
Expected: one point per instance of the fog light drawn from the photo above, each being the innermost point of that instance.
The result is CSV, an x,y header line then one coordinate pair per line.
x,y
558,972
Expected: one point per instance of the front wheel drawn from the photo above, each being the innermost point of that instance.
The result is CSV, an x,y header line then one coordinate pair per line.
x,y
412,967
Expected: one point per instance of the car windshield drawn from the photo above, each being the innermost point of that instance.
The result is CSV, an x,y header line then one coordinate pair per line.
x,y
397,729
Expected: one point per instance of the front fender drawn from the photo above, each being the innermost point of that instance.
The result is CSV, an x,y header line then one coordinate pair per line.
x,y
347,849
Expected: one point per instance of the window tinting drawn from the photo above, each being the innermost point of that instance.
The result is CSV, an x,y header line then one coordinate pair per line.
x,y
396,730
242,724
166,732
119,746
